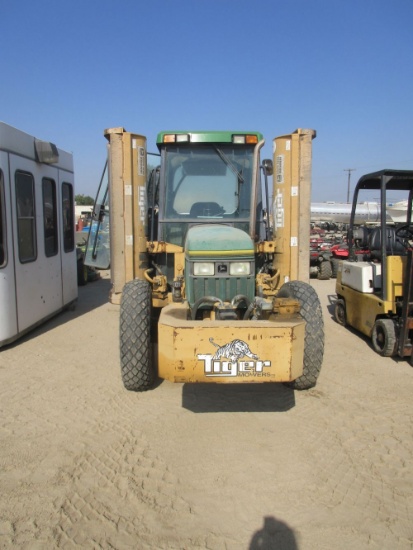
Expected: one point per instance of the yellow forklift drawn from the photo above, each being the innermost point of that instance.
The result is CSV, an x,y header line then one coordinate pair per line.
x,y
375,285
206,260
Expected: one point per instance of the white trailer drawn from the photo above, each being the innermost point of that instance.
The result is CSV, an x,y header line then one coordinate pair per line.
x,y
38,270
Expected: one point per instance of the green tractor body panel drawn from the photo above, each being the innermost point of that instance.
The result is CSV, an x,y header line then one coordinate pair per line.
x,y
219,262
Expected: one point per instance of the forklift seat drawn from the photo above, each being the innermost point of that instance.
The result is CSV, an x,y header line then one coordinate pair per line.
x,y
394,244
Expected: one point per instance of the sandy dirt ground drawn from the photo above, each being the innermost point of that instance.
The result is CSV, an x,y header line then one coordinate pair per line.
x,y
86,464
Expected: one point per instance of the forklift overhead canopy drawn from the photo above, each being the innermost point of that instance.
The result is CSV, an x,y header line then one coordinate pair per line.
x,y
393,179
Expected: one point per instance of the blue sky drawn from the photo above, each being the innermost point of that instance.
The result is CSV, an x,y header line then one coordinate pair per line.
x,y
70,69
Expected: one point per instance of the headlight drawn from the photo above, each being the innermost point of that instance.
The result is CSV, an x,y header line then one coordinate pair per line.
x,y
239,268
204,268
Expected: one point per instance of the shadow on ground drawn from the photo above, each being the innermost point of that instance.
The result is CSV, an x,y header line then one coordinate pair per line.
x,y
90,297
274,535
267,397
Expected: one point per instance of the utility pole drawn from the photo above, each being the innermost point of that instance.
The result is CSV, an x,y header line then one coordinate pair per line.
x,y
349,170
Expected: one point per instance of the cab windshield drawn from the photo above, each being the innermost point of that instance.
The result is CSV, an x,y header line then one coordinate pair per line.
x,y
208,182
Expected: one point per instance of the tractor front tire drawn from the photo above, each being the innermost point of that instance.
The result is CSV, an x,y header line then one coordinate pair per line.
x,y
135,336
384,338
312,314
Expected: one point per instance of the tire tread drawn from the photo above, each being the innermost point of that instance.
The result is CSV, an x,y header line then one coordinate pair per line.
x,y
135,346
314,332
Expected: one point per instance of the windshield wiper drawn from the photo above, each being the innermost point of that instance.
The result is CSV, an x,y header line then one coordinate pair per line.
x,y
229,163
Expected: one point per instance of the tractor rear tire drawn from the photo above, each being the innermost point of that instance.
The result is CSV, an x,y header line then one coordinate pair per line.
x,y
384,338
334,267
82,273
325,270
135,336
312,314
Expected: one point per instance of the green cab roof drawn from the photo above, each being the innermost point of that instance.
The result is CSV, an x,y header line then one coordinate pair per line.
x,y
204,136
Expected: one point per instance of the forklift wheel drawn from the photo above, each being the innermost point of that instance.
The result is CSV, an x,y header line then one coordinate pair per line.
x,y
340,312
135,336
384,337
314,331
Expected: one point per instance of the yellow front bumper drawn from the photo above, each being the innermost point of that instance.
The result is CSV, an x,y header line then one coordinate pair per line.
x,y
229,351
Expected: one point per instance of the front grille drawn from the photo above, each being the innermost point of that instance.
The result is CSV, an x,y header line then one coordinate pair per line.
x,y
224,288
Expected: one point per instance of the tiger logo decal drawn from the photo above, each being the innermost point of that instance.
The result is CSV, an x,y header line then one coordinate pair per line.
x,y
233,351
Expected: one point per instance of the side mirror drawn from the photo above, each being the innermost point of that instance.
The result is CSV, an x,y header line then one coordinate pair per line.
x,y
268,167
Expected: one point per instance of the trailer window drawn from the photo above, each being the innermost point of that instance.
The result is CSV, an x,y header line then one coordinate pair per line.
x,y
3,256
26,219
49,217
68,217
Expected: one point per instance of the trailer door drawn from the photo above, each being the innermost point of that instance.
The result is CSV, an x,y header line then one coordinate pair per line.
x,y
66,208
34,195
8,316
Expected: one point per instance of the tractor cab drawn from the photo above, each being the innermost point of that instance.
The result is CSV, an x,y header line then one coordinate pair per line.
x,y
205,198
206,178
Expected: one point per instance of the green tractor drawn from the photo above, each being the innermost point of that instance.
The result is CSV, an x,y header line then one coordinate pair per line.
x,y
206,262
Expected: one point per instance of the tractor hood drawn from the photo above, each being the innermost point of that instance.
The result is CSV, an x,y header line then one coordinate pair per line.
x,y
212,240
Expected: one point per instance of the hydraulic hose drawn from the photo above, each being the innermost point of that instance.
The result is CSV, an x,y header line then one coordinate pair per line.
x,y
204,300
147,271
240,298
249,311
146,275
